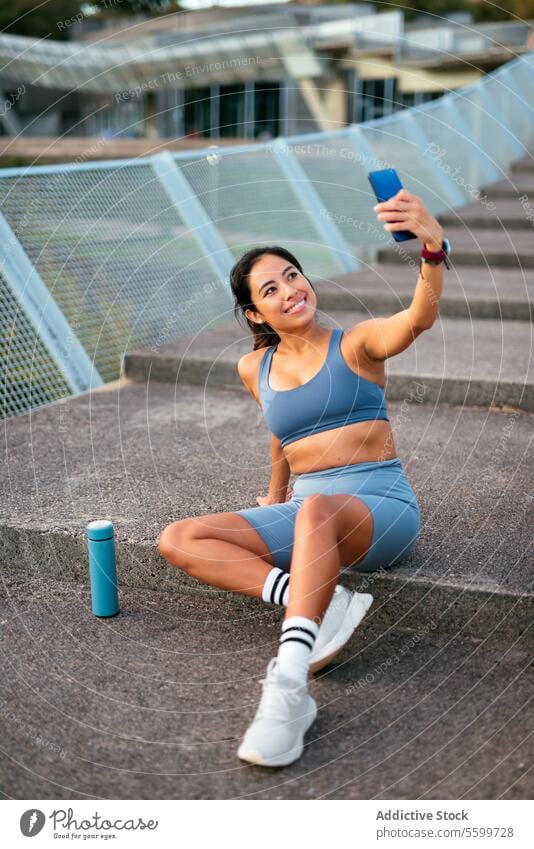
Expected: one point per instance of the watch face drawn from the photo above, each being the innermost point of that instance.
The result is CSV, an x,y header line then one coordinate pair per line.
x,y
446,246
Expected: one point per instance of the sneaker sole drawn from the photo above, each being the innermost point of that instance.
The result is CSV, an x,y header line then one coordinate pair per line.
x,y
350,622
285,758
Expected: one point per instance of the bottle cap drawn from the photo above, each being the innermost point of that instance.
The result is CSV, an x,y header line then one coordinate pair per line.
x,y
100,529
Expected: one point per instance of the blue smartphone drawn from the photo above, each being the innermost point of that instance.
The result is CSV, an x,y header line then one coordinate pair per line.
x,y
385,184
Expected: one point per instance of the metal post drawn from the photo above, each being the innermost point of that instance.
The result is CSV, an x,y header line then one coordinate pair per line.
x,y
451,191
367,162
311,202
486,172
358,140
190,209
517,150
49,322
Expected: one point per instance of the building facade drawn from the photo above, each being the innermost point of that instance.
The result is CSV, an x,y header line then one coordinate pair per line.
x,y
226,73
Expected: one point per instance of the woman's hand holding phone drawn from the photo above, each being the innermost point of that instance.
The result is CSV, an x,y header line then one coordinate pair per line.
x,y
405,211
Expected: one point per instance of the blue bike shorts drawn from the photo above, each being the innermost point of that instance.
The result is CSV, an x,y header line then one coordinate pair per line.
x,y
382,485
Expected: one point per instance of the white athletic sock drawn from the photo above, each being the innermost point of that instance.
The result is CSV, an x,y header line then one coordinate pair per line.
x,y
296,645
276,587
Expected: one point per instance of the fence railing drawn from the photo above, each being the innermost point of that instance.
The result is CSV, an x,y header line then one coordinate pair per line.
x,y
459,40
104,257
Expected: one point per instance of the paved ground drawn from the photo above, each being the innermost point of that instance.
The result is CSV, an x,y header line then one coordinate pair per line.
x,y
145,455
152,704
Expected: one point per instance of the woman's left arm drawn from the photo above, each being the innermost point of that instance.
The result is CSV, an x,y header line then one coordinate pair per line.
x,y
385,337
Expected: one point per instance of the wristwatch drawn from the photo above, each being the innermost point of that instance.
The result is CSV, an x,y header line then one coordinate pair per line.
x,y
435,257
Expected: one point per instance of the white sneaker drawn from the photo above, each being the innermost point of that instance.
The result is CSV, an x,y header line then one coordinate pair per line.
x,y
343,615
285,713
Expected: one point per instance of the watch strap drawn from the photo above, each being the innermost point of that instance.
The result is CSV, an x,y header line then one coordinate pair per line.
x,y
435,257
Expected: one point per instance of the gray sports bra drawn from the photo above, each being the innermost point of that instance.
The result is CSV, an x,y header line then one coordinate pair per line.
x,y
335,397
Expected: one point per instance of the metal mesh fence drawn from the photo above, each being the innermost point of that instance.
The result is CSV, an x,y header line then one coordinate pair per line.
x,y
29,376
98,259
400,135
115,255
250,201
336,166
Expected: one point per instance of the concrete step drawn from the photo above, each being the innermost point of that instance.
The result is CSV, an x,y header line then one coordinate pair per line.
x,y
523,166
519,182
468,291
171,684
147,454
500,214
485,248
479,362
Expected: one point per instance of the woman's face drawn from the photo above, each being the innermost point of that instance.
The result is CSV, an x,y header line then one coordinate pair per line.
x,y
276,287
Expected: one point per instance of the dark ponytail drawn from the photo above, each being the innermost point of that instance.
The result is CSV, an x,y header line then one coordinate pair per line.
x,y
263,334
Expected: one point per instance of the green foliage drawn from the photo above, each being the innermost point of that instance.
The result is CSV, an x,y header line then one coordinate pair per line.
x,y
26,17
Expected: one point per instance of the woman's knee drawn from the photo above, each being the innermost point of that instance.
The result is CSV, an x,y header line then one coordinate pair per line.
x,y
315,508
174,541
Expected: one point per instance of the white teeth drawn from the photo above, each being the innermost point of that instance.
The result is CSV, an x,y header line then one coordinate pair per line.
x,y
295,306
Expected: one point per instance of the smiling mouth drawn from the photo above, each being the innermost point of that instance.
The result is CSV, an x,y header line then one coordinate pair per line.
x,y
298,306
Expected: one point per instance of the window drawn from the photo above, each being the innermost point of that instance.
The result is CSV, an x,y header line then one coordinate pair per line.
x,y
197,104
266,109
415,98
374,99
232,111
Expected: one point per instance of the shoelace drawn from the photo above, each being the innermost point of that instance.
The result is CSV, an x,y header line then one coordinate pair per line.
x,y
275,701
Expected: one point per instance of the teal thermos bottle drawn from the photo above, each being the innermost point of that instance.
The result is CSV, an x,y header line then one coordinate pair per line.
x,y
102,568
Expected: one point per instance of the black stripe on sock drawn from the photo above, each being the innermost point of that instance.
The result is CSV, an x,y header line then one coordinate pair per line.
x,y
299,628
297,640
303,638
283,585
276,582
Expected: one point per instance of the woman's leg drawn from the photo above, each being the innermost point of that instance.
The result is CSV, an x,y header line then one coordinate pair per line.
x,y
332,532
224,549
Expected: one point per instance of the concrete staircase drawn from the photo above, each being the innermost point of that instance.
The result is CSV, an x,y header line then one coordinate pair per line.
x,y
431,697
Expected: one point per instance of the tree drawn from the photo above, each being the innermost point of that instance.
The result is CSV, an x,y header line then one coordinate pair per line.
x,y
26,17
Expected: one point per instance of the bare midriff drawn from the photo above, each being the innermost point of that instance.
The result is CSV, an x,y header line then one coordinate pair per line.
x,y
361,442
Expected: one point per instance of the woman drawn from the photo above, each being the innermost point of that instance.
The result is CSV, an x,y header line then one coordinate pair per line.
x,y
321,394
